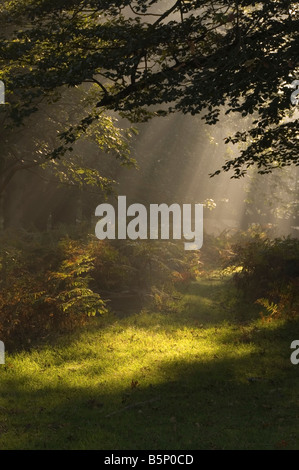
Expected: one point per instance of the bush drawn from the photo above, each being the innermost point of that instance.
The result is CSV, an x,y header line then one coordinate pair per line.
x,y
44,287
52,282
269,274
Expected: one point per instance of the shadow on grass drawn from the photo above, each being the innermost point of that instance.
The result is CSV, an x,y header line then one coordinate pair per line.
x,y
245,396
199,404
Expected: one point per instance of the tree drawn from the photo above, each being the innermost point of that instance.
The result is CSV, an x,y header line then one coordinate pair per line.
x,y
152,58
27,145
26,168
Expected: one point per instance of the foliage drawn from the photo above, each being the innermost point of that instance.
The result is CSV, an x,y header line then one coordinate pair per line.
x,y
274,199
188,56
138,265
152,272
37,146
286,306
216,251
51,282
71,282
160,263
270,274
44,287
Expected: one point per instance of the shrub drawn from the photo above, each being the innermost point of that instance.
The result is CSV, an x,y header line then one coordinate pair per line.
x,y
51,283
269,273
44,287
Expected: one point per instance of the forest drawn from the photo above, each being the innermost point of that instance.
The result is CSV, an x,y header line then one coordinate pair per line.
x,y
149,225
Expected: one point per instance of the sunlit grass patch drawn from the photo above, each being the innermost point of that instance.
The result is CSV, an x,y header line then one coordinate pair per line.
x,y
195,377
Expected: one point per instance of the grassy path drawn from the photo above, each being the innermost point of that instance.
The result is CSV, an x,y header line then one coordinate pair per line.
x,y
196,378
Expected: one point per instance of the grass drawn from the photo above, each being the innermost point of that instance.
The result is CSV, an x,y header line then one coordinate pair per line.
x,y
206,375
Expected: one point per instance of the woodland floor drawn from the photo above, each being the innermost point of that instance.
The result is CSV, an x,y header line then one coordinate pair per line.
x,y
205,374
